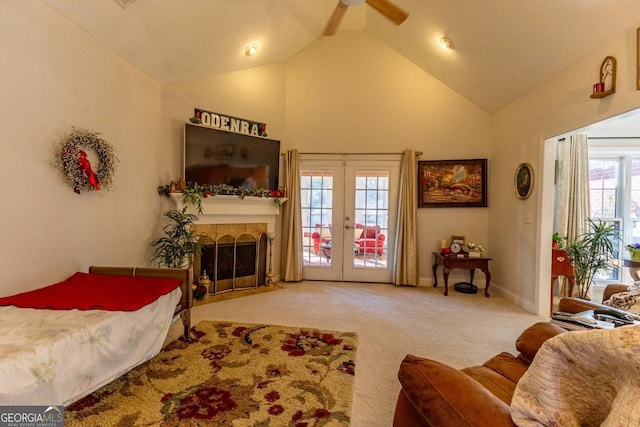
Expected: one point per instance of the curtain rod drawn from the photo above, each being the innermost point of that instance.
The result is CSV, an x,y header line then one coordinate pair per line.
x,y
418,153
613,137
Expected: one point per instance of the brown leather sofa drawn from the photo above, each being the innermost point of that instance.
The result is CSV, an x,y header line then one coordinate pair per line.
x,y
434,394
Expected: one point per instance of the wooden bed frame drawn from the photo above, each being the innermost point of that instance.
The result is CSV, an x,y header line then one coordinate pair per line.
x,y
183,309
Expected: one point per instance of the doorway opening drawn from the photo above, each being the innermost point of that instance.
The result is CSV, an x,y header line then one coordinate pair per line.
x,y
617,140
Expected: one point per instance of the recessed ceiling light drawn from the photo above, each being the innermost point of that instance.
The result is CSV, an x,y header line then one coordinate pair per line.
x,y
446,42
251,49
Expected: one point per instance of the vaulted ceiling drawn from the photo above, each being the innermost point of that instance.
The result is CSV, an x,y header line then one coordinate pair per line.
x,y
502,48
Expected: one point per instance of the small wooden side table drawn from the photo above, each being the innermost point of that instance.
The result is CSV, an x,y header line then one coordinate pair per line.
x,y
561,266
466,263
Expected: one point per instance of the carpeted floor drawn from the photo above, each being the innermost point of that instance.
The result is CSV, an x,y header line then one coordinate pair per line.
x,y
236,374
460,329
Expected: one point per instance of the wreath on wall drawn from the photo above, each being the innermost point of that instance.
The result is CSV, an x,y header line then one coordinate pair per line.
x,y
78,171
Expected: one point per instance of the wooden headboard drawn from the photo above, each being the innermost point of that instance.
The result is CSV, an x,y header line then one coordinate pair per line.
x,y
183,309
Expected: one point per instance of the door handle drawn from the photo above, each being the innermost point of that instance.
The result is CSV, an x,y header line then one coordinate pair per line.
x,y
347,227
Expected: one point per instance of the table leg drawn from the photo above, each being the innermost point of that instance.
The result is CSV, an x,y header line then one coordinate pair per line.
x,y
472,273
553,281
572,282
445,273
435,276
488,276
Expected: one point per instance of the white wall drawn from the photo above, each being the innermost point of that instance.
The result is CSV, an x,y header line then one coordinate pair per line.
x,y
54,76
560,105
347,93
350,93
344,91
255,94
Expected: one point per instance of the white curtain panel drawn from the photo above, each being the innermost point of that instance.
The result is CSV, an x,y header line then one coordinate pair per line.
x,y
572,187
572,192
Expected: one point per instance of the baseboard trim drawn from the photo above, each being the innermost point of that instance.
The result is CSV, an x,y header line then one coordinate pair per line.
x,y
494,289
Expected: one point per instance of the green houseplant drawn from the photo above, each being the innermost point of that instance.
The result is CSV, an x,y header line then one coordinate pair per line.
x,y
558,242
178,244
592,252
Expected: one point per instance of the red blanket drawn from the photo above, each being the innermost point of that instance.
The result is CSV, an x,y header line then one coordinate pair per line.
x,y
94,291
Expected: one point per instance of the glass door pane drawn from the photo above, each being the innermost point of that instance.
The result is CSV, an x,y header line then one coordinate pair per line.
x,y
371,199
316,188
371,218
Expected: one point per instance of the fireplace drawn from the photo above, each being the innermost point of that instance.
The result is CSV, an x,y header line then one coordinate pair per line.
x,y
233,237
232,263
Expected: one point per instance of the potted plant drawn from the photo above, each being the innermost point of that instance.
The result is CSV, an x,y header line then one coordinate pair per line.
x,y
634,250
558,242
592,252
177,246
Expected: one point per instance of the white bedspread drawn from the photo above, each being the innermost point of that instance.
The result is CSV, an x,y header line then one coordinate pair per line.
x,y
55,357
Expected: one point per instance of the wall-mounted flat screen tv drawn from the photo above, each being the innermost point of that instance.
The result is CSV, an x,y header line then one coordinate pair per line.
x,y
213,156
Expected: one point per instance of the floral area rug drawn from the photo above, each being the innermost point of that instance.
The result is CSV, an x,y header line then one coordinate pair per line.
x,y
232,375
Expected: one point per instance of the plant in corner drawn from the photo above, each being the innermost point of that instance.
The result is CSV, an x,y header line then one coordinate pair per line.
x,y
177,246
558,242
592,252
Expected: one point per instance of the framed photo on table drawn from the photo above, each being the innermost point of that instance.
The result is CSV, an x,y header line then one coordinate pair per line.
x,y
523,181
452,183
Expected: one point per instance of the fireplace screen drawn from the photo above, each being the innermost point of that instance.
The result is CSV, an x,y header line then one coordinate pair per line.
x,y
233,263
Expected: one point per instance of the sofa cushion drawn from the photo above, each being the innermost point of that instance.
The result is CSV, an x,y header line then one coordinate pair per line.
x,y
446,396
500,386
499,375
530,340
508,366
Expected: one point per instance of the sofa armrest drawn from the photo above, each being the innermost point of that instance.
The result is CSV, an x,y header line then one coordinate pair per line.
x,y
532,338
576,305
612,289
443,396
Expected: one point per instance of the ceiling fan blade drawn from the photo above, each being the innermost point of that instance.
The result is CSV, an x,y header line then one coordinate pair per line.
x,y
335,19
390,10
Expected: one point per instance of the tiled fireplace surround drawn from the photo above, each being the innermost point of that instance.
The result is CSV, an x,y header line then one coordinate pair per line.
x,y
225,219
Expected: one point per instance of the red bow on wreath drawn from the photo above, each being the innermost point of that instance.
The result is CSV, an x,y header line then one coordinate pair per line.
x,y
85,166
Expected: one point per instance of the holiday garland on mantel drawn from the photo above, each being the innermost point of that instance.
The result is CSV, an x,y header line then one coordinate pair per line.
x,y
78,172
193,193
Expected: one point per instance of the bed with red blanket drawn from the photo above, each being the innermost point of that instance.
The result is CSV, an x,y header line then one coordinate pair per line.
x,y
61,342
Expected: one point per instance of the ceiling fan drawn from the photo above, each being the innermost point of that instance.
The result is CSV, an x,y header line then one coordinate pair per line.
x,y
385,7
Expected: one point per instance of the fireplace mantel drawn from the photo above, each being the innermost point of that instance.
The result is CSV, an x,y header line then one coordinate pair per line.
x,y
234,210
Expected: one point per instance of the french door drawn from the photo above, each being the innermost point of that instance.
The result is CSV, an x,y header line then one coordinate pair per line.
x,y
349,211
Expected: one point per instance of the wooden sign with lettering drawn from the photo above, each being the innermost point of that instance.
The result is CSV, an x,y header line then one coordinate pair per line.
x,y
229,123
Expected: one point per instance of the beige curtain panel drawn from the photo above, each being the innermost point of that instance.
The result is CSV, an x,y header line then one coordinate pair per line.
x,y
405,269
291,238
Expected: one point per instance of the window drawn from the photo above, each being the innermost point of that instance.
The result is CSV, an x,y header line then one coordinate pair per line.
x,y
614,183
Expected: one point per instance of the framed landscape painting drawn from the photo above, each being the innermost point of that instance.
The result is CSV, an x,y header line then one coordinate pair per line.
x,y
452,183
